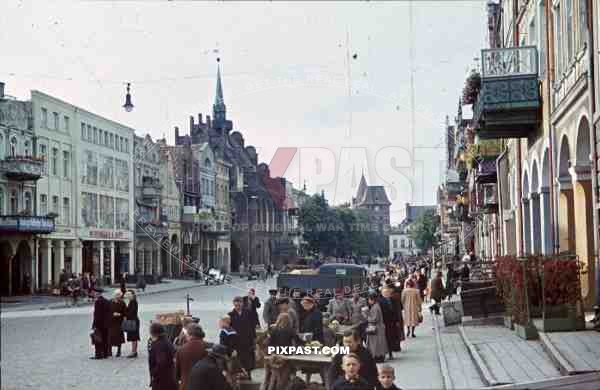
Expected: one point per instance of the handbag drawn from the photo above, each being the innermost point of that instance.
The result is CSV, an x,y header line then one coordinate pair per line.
x,y
129,326
371,329
96,337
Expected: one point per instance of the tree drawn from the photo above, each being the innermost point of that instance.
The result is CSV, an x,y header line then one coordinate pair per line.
x,y
423,230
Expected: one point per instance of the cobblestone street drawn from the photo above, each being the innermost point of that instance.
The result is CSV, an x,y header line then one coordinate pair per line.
x,y
50,349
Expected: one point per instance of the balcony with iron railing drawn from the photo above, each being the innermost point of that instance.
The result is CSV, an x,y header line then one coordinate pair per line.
x,y
508,104
22,168
26,224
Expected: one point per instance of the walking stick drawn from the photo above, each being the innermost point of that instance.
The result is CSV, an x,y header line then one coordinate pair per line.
x,y
188,299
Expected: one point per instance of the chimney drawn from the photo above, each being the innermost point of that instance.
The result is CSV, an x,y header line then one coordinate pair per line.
x,y
1,90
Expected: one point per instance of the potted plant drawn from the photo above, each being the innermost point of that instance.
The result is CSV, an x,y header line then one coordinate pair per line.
x,y
523,288
562,307
471,88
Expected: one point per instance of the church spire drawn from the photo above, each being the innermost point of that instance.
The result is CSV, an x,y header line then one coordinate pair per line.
x,y
219,109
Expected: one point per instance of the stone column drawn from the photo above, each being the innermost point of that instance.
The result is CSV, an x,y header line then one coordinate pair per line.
x,y
34,269
546,221
101,243
131,251
170,256
61,256
158,252
142,260
112,260
526,230
76,256
536,234
48,261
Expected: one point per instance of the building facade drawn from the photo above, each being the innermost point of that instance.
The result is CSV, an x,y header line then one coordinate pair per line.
x,y
172,208
151,235
530,178
375,202
20,220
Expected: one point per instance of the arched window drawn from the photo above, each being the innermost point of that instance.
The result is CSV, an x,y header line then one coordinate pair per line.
x,y
207,163
26,149
14,205
13,147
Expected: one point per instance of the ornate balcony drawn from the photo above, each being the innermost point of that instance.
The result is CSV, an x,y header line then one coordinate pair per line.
x,y
26,224
508,105
151,187
22,168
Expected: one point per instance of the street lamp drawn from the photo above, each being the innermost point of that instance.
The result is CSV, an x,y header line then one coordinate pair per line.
x,y
128,106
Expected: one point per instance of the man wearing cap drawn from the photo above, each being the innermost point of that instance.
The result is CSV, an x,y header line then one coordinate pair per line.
x,y
270,310
208,373
312,319
244,324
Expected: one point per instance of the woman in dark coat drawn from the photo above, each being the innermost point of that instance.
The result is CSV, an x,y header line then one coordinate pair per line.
x,y
118,310
161,356
391,321
312,319
132,314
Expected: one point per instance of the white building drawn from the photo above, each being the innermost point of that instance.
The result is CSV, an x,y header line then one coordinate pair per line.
x,y
89,186
400,243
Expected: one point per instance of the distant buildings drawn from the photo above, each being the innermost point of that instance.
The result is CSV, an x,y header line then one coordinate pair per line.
x,y
400,242
374,201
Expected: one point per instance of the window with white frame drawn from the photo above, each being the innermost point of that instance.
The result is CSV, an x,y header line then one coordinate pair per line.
x,y
66,123
569,31
95,136
66,164
27,148
54,161
14,202
89,133
83,131
14,147
402,243
43,204
44,155
44,118
558,52
55,204
28,203
395,245
55,121
66,214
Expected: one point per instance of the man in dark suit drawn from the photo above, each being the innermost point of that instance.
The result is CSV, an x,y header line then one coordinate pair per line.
x,y
368,368
244,323
100,326
189,354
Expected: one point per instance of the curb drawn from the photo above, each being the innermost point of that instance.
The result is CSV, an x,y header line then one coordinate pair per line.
x,y
441,356
486,376
565,367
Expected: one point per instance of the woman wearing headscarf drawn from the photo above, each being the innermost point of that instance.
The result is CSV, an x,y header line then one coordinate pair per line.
x,y
411,302
376,341
131,314
118,310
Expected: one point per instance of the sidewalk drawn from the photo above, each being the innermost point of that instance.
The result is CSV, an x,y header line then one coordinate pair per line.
x,y
502,357
46,302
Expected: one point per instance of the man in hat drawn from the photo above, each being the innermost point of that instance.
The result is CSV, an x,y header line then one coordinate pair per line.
x,y
339,307
209,373
312,319
252,303
245,326
161,354
270,311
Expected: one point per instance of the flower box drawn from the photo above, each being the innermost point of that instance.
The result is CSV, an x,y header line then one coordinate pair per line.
x,y
562,318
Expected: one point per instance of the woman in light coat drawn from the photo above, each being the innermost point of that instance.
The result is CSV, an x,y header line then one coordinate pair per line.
x,y
376,340
411,302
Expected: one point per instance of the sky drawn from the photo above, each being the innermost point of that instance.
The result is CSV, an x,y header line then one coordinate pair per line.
x,y
330,79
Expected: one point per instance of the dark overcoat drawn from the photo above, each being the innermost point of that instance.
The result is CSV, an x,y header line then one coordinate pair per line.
x,y
161,356
116,335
